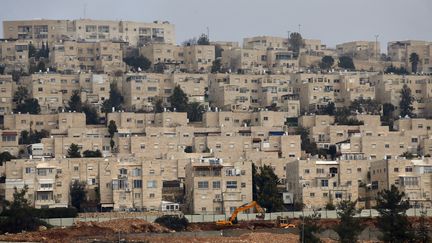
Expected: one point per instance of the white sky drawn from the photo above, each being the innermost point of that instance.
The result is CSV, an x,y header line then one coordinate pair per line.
x,y
332,21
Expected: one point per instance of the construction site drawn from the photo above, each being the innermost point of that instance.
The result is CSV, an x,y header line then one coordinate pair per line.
x,y
138,230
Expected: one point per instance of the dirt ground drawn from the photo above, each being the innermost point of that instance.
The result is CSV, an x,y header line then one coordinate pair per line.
x,y
131,229
251,237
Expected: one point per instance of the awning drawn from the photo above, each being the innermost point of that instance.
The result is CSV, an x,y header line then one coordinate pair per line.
x,y
276,133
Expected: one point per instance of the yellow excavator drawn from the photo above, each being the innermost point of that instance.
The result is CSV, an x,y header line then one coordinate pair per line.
x,y
233,219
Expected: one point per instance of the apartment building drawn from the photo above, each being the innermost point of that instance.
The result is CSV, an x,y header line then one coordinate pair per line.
x,y
169,55
122,183
245,92
363,50
411,176
53,90
100,57
192,58
55,123
315,183
38,31
265,42
213,187
400,51
388,90
54,31
14,55
7,87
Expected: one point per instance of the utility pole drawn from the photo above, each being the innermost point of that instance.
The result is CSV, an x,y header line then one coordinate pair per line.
x,y
376,46
299,28
289,32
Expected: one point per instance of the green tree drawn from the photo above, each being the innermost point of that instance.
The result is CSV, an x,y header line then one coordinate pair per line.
x,y
75,103
395,70
387,116
393,221
112,129
179,99
6,156
329,109
21,95
31,137
31,50
203,40
307,144
422,231
73,151
268,195
92,154
20,216
138,62
91,113
349,227
115,99
296,42
159,108
346,62
327,62
218,51
405,104
29,106
414,60
369,106
216,66
254,182
78,194
195,112
310,227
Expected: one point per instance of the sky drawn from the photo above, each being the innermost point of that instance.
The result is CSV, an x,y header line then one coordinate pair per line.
x,y
331,21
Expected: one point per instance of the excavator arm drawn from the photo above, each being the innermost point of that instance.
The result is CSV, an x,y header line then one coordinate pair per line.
x,y
242,208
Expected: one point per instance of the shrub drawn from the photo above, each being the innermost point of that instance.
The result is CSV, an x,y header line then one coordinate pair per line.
x,y
173,222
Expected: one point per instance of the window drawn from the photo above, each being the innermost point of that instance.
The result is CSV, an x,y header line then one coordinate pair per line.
x,y
42,172
137,184
408,169
123,171
203,184
216,184
243,185
374,185
306,171
152,195
396,169
324,183
338,195
28,170
136,172
414,140
312,194
90,28
320,171
231,184
151,184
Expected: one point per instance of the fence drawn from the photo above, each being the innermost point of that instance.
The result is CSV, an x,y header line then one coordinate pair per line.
x,y
195,218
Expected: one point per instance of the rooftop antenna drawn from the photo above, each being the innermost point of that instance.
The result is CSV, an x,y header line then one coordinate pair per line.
x,y
85,10
208,33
